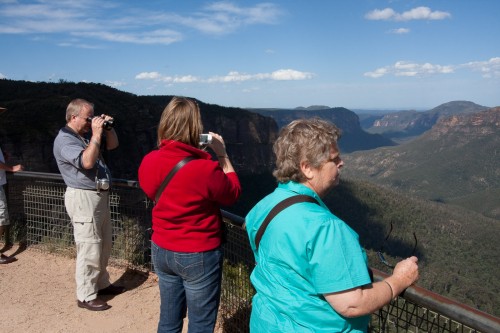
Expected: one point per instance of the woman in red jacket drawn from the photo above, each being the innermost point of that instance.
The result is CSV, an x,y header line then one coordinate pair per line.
x,y
187,223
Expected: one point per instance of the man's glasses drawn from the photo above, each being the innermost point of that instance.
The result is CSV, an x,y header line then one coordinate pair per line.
x,y
380,253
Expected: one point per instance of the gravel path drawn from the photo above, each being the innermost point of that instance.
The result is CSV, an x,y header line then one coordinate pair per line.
x,y
37,293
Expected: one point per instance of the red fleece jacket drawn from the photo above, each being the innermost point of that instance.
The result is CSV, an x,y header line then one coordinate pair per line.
x,y
187,216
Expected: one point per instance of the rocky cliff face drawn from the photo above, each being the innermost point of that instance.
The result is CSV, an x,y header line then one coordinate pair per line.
x,y
463,128
448,136
353,136
36,112
458,160
411,123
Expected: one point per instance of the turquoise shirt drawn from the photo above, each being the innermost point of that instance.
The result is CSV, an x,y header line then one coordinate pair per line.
x,y
305,252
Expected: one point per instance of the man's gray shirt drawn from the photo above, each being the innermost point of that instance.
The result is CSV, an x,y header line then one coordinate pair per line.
x,y
68,152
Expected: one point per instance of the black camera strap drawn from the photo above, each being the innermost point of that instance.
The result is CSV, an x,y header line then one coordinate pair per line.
x,y
172,172
278,208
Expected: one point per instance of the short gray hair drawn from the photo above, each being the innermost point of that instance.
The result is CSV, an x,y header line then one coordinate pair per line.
x,y
75,106
303,140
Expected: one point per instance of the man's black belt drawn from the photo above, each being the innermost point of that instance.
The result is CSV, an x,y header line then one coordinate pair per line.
x,y
93,189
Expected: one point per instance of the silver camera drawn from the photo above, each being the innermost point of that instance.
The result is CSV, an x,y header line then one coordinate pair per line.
x,y
101,184
205,139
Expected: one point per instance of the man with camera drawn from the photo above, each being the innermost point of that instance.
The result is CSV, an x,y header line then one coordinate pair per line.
x,y
77,150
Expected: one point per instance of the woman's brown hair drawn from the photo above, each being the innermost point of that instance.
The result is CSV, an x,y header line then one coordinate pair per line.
x,y
181,121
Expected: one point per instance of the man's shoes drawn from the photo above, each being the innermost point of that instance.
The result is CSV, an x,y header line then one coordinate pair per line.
x,y
94,305
6,247
6,260
112,290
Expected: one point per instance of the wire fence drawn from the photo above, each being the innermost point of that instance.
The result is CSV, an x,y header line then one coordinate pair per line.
x,y
39,220
49,227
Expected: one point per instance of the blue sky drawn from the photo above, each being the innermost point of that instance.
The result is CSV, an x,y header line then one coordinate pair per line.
x,y
370,54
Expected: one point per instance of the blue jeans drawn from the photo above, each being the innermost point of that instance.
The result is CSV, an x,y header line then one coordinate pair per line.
x,y
188,281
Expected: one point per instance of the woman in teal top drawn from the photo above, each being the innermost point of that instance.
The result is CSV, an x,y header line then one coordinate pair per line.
x,y
311,273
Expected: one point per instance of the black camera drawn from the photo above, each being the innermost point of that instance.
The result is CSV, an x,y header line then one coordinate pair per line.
x,y
108,124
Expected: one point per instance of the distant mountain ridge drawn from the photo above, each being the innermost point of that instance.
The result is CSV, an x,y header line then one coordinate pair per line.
x,y
412,123
313,107
353,136
459,157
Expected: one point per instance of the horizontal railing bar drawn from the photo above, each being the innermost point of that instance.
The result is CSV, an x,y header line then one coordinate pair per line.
x,y
462,313
32,174
234,219
57,176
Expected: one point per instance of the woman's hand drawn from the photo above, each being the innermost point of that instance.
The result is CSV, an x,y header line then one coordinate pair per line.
x,y
217,144
404,275
219,148
407,270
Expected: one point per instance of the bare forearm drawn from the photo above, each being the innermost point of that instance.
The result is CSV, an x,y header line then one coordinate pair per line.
x,y
219,149
366,299
225,163
111,139
5,167
361,301
91,153
11,168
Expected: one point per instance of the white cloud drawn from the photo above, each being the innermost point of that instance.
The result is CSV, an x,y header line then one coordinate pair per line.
x,y
148,76
263,13
234,76
2,76
47,17
290,74
400,31
423,13
80,45
279,75
379,72
224,17
115,84
404,68
489,69
92,19
185,79
418,13
381,14
153,37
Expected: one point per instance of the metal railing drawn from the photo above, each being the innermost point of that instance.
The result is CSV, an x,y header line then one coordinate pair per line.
x,y
38,218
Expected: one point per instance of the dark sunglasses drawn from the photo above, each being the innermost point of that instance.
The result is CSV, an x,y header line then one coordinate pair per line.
x,y
380,253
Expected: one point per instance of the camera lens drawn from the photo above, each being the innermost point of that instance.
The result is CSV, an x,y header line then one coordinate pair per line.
x,y
104,184
108,124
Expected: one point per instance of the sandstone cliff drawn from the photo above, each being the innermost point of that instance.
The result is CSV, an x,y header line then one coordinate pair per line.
x,y
36,112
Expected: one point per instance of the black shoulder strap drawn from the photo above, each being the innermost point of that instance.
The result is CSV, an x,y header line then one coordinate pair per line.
x,y
278,208
172,172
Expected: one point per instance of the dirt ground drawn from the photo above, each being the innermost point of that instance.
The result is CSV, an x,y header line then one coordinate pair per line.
x,y
37,293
